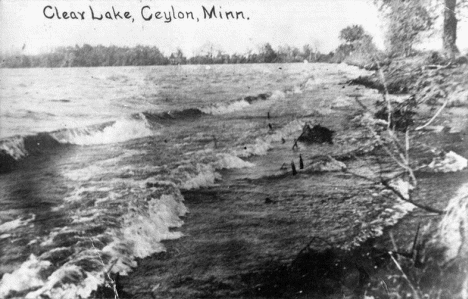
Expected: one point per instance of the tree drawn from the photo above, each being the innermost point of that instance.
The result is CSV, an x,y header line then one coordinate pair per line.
x,y
357,45
449,36
286,53
267,53
178,57
409,19
352,33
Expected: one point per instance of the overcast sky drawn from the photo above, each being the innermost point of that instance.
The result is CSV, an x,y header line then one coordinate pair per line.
x,y
292,22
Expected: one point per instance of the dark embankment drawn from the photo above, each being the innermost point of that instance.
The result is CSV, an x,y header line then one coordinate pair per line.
x,y
430,77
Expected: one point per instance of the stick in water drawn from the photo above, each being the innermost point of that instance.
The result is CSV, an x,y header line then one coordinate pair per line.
x,y
295,146
294,172
215,141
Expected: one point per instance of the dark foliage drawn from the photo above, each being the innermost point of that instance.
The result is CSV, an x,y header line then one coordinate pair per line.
x,y
402,114
92,56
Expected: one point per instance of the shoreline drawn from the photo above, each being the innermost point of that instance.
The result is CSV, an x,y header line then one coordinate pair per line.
x,y
180,272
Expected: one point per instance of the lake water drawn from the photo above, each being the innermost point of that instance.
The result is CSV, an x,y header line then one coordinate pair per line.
x,y
93,159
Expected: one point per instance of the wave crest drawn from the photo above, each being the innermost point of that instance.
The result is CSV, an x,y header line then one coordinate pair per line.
x,y
119,131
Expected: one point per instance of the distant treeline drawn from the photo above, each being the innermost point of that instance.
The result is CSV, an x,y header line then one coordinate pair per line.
x,y
90,56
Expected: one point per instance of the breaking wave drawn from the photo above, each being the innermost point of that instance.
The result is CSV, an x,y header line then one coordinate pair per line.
x,y
15,148
108,234
132,223
226,108
137,126
163,117
119,131
241,103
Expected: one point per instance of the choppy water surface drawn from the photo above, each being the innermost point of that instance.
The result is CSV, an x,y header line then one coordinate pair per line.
x,y
93,159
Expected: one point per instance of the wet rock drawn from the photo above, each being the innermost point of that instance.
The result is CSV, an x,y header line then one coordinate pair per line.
x,y
316,134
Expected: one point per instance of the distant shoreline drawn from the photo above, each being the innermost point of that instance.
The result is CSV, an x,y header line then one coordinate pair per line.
x,y
96,56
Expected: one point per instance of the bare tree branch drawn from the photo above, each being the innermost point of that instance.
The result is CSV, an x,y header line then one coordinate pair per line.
x,y
434,117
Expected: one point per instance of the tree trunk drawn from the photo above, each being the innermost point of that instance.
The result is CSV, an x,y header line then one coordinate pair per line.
x,y
450,28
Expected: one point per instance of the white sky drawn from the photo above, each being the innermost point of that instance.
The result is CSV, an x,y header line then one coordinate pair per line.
x,y
292,22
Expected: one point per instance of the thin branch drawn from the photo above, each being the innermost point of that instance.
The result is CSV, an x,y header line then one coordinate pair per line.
x,y
386,184
107,273
421,206
385,147
356,98
415,291
415,243
392,238
434,117
360,176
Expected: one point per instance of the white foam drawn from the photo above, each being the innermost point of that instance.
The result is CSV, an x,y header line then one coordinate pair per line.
x,y
84,283
27,276
204,176
146,233
143,226
82,174
120,131
227,161
49,240
263,144
388,217
226,108
10,225
83,219
450,163
277,95
144,229
99,168
14,146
